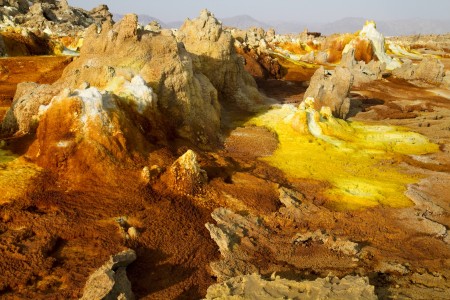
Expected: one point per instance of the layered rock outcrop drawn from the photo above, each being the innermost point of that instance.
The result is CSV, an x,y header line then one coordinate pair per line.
x,y
331,90
241,238
256,287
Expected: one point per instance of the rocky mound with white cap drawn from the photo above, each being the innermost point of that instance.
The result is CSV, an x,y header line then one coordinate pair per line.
x,y
130,90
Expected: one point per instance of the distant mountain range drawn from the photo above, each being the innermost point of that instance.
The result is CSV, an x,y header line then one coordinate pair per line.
x,y
244,22
388,28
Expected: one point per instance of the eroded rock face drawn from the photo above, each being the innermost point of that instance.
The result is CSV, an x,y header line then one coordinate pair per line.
x,y
230,230
255,287
110,281
363,70
181,93
22,117
129,90
44,27
331,90
15,6
254,46
23,43
241,238
185,174
52,16
88,130
184,94
212,50
370,32
429,70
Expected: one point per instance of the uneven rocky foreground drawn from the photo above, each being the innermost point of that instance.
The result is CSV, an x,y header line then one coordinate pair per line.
x,y
216,163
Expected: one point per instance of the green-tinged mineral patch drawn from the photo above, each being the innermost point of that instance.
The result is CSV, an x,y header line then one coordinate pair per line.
x,y
360,161
15,176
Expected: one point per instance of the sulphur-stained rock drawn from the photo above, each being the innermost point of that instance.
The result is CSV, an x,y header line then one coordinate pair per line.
x,y
256,287
331,90
107,108
435,42
91,132
110,281
183,93
370,32
259,63
214,55
135,77
22,43
185,174
363,71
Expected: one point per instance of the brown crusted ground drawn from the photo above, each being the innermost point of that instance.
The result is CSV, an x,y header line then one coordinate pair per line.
x,y
52,238
284,91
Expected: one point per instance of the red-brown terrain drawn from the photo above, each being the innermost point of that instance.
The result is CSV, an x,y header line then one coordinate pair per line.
x,y
77,209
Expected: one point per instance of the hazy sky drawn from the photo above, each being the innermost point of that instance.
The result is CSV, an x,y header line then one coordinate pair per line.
x,y
321,11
